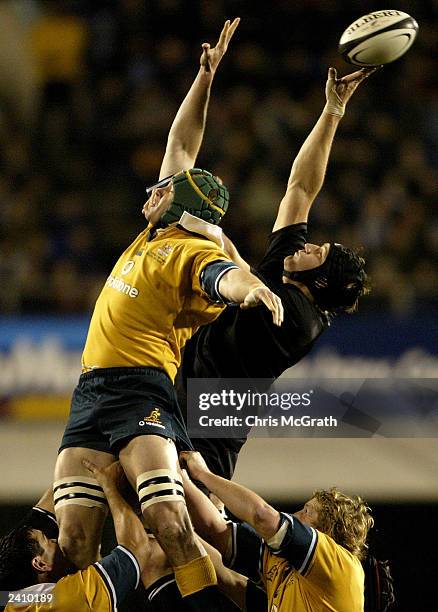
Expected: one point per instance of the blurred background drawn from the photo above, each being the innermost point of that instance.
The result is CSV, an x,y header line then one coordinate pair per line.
x,y
88,91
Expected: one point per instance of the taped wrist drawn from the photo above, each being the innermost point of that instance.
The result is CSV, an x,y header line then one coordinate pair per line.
x,y
334,109
195,575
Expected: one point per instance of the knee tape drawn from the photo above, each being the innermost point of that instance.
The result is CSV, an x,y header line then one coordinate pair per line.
x,y
158,486
80,491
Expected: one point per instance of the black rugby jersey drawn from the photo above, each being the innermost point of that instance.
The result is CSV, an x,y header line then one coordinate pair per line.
x,y
246,343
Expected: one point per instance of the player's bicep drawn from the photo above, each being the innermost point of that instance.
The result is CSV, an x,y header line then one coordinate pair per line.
x,y
294,208
295,542
120,572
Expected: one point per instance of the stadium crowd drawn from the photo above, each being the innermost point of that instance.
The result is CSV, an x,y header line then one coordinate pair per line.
x,y
88,92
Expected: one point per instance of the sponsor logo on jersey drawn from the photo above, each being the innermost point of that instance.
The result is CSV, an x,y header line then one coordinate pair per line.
x,y
119,285
154,419
128,267
161,253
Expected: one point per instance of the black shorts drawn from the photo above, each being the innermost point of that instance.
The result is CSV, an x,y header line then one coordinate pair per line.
x,y
113,405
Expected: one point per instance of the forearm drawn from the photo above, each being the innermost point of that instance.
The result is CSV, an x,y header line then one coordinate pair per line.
x,y
46,501
244,504
232,252
232,584
187,131
235,285
310,165
127,526
206,518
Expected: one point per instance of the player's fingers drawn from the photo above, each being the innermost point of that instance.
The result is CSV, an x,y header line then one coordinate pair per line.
x,y
223,34
280,310
366,72
332,74
353,76
232,29
183,459
204,56
277,313
273,303
91,467
205,50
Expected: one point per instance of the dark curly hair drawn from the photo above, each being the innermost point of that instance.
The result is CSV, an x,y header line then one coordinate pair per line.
x,y
17,549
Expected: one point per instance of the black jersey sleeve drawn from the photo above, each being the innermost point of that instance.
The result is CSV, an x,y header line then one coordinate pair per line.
x,y
295,542
256,599
120,572
246,551
285,241
41,519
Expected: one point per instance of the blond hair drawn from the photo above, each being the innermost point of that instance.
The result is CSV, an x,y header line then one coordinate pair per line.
x,y
345,519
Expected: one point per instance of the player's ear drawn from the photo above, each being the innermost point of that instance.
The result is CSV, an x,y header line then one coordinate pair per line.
x,y
40,565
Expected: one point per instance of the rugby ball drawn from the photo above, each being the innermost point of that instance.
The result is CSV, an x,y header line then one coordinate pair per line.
x,y
378,38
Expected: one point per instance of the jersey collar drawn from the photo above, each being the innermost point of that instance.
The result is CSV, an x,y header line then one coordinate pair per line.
x,y
199,226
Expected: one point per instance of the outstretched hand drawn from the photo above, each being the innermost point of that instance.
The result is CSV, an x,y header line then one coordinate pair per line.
x,y
263,295
211,57
338,91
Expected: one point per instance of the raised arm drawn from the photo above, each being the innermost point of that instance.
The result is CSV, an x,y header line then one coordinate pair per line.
x,y
242,502
309,168
187,130
208,522
46,501
232,252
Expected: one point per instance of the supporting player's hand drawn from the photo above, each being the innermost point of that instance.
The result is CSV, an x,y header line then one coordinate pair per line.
x,y
111,476
263,295
194,463
211,58
339,90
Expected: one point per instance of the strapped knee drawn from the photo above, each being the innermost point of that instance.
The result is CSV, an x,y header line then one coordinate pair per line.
x,y
80,491
158,486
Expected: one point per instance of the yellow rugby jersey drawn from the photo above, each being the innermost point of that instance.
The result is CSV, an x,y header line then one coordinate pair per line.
x,y
302,569
152,302
334,581
99,587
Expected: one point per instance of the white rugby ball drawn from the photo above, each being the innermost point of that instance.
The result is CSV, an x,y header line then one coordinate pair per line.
x,y
378,38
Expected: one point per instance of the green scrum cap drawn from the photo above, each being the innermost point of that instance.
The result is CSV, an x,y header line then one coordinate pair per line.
x,y
199,193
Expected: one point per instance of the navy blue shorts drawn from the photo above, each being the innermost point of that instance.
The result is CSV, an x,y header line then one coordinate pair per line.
x,y
110,406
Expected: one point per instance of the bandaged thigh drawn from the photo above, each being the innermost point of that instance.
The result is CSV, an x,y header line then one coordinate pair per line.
x,y
79,491
158,486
